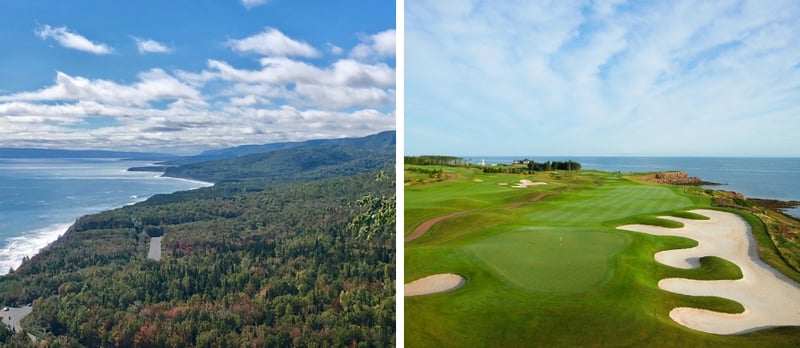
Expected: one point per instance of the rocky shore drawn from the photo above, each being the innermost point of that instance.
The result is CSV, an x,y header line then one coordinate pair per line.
x,y
775,204
677,178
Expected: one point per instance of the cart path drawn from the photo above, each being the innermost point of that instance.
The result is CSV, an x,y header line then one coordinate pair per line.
x,y
428,224
425,226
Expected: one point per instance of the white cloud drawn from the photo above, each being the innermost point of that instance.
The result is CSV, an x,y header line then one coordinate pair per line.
x,y
184,130
285,99
379,45
341,97
234,114
271,42
68,39
151,46
153,85
604,78
346,83
249,100
336,50
253,3
344,72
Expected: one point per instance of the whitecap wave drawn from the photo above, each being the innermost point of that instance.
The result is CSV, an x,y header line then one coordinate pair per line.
x,y
15,249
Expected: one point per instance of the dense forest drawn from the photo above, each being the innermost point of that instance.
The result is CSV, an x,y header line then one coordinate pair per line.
x,y
265,260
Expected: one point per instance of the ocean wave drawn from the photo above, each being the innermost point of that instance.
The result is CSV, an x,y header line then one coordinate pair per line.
x,y
15,249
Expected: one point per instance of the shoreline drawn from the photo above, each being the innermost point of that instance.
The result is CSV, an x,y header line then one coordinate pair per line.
x,y
31,242
194,181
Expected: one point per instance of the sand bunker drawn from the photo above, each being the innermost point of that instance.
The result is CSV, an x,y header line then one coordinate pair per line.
x,y
525,183
770,299
477,180
434,284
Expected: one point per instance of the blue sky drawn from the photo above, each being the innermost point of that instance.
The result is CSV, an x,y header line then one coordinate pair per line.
x,y
183,76
606,78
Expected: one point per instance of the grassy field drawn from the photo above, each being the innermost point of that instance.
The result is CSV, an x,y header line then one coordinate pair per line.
x,y
545,265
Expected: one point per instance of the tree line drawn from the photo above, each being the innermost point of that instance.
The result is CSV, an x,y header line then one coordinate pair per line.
x,y
533,166
436,160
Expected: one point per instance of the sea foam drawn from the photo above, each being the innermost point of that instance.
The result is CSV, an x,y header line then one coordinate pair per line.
x,y
15,249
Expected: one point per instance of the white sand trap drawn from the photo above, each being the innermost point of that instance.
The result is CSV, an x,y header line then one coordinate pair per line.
x,y
525,183
770,299
434,284
502,183
477,180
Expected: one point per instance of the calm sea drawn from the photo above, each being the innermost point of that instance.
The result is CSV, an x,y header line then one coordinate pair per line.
x,y
776,178
41,198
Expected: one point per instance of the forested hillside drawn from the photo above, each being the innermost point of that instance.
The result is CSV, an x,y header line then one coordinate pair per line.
x,y
263,260
375,141
294,164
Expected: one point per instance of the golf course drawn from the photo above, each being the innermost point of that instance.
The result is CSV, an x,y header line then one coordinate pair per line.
x,y
588,258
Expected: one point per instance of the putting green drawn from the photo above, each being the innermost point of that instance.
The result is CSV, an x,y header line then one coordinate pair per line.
x,y
540,259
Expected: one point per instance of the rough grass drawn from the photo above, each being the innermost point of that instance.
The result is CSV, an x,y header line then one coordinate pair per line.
x,y
599,289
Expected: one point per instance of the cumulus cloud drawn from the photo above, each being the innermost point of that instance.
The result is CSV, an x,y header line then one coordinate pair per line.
x,y
341,97
184,130
153,85
285,98
151,46
379,45
68,39
344,84
344,72
272,42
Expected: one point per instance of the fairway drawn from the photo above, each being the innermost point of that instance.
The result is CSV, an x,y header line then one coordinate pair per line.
x,y
561,260
545,265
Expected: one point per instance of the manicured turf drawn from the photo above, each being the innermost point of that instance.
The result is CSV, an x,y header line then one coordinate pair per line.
x,y
598,288
559,259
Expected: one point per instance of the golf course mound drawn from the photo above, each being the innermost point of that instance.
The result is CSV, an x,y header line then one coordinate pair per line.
x,y
434,284
770,299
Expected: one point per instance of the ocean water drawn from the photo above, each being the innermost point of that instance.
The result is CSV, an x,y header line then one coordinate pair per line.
x,y
775,178
41,198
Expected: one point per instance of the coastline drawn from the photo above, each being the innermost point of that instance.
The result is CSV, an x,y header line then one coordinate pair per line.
x,y
29,243
161,171
199,182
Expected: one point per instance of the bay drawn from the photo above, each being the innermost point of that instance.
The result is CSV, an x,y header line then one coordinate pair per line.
x,y
41,198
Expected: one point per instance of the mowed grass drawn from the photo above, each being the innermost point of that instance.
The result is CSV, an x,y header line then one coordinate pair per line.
x,y
425,202
556,272
534,259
